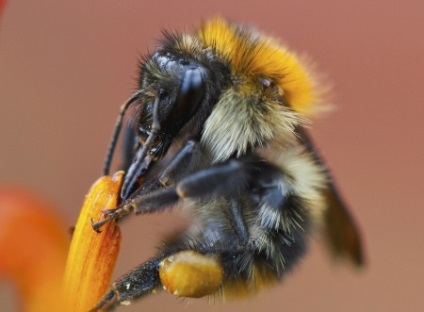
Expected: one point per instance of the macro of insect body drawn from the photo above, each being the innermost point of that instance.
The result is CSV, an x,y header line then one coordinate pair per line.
x,y
219,130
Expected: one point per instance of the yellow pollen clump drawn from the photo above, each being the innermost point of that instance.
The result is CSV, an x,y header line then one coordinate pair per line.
x,y
190,274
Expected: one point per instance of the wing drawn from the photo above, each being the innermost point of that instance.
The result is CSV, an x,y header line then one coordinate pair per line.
x,y
340,230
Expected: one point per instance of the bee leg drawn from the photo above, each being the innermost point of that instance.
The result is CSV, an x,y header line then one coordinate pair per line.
x,y
140,281
238,223
184,272
181,164
222,180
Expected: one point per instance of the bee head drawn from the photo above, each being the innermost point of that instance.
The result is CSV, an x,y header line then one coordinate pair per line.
x,y
175,86
179,94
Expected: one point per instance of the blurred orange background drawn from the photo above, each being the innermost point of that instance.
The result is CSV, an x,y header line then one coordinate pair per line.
x,y
66,67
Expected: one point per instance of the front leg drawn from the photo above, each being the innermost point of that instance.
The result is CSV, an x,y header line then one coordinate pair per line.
x,y
183,163
221,180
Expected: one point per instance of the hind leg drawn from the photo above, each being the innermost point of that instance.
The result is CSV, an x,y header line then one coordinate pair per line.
x,y
185,273
140,281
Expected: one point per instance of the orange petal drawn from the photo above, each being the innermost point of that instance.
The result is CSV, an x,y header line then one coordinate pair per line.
x,y
92,255
2,5
33,247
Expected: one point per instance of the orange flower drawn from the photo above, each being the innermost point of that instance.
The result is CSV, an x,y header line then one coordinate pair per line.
x,y
2,4
33,247
34,244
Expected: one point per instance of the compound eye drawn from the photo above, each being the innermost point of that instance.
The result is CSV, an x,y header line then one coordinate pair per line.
x,y
189,96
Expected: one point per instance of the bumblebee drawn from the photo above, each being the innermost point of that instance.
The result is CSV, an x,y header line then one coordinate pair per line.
x,y
219,129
